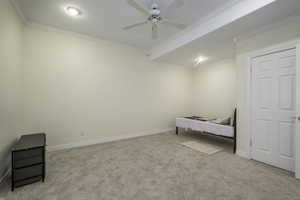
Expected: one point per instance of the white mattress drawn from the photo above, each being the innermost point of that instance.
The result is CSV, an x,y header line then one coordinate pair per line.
x,y
208,127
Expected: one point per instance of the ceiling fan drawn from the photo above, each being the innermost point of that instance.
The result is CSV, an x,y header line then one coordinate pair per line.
x,y
154,18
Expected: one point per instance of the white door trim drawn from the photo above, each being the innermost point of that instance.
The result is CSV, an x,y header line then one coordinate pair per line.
x,y
297,136
265,51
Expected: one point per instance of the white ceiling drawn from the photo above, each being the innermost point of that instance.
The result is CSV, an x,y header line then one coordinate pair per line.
x,y
105,18
219,45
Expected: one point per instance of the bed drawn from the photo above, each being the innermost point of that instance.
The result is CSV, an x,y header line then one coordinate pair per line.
x,y
225,131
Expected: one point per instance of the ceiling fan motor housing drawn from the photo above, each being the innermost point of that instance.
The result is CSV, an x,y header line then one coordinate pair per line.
x,y
154,6
155,18
154,10
155,14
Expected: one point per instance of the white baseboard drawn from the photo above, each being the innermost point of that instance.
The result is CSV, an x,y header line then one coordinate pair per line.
x,y
6,171
88,143
107,139
5,175
243,154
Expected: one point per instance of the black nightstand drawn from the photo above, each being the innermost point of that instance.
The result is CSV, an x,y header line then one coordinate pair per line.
x,y
28,160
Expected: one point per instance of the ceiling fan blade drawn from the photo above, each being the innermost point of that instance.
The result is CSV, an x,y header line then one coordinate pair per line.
x,y
139,7
135,25
174,24
154,31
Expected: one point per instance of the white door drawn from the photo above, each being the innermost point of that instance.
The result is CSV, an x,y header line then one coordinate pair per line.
x,y
274,109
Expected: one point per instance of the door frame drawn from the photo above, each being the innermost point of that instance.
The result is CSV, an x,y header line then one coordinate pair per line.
x,y
295,44
297,136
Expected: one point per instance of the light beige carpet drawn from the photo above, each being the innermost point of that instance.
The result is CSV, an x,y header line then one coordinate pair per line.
x,y
202,147
156,167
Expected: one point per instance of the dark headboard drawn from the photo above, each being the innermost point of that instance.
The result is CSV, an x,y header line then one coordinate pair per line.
x,y
235,130
234,118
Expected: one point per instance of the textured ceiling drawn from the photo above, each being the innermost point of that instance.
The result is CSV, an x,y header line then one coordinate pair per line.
x,y
219,45
105,19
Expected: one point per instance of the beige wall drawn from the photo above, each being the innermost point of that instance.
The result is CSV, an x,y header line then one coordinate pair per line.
x,y
75,85
66,96
77,89
214,89
10,76
279,34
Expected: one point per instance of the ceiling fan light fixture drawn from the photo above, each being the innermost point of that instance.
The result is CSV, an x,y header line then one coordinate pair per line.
x,y
200,59
72,11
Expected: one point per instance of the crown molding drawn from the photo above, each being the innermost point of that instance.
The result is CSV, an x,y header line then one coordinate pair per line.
x,y
27,22
19,11
83,36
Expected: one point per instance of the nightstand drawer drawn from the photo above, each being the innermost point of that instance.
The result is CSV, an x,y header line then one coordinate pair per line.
x,y
20,174
28,181
19,155
28,162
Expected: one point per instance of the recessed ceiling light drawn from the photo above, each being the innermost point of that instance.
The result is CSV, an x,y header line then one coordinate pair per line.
x,y
72,11
200,59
